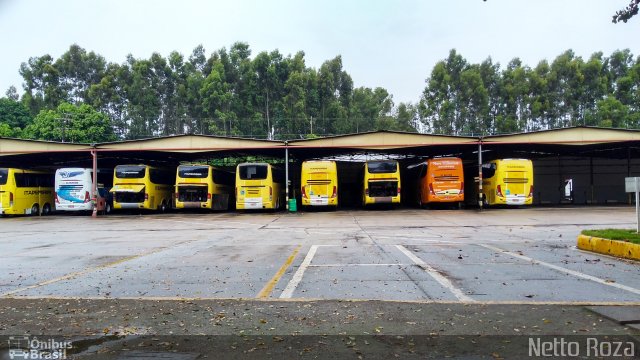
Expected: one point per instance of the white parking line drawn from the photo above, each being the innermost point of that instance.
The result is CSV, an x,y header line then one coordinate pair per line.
x,y
297,277
435,275
563,270
352,265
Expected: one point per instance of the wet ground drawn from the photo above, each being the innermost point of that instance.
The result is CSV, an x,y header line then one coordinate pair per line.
x,y
112,276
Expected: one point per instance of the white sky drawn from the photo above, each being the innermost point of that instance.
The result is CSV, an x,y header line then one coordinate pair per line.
x,y
391,44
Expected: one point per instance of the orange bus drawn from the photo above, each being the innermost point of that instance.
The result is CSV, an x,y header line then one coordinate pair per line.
x,y
441,181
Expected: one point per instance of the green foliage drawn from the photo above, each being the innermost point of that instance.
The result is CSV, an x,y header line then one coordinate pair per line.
x,y
71,123
479,99
14,114
6,130
277,96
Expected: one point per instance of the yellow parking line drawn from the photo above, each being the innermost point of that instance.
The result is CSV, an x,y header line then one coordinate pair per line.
x,y
268,288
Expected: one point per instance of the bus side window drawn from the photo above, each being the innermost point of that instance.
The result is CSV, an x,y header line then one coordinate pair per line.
x,y
488,170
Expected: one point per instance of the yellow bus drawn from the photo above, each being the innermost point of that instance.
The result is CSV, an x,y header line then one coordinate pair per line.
x,y
203,187
142,187
381,182
258,186
25,192
319,183
507,182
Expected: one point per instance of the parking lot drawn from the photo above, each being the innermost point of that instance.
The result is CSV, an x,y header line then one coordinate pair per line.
x,y
498,255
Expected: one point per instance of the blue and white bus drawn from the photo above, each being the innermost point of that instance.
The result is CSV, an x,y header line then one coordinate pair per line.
x,y
73,191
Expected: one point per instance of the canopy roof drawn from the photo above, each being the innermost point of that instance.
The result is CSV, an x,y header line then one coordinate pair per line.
x,y
189,144
568,136
382,140
575,141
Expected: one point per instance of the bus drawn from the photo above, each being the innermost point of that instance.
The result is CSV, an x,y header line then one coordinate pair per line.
x,y
25,192
203,187
381,182
507,182
258,186
73,189
142,187
441,181
319,183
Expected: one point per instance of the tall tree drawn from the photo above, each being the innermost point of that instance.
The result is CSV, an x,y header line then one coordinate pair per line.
x,y
71,123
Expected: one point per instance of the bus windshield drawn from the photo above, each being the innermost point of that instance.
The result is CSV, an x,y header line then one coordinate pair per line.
x,y
193,172
4,173
253,172
130,172
379,167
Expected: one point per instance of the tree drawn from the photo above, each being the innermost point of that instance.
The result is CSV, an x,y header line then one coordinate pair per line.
x,y
609,112
6,130
14,114
12,93
71,123
627,13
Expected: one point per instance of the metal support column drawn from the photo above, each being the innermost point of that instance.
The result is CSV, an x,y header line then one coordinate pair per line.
x,y
629,174
480,174
94,195
286,172
591,186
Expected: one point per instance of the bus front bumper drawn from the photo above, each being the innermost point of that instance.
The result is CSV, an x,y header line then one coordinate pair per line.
x,y
320,201
74,207
383,200
128,205
192,205
514,200
252,204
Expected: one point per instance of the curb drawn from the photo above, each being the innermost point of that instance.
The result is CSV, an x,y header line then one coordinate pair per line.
x,y
617,248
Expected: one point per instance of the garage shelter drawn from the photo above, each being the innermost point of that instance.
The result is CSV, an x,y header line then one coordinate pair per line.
x,y
593,161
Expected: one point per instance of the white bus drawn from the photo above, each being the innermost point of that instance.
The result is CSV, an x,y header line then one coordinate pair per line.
x,y
73,191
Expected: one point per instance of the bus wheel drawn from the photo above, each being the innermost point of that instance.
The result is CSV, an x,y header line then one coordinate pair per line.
x,y
35,210
163,207
46,210
107,209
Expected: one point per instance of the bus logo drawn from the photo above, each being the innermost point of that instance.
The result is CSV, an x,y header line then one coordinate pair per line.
x,y
70,174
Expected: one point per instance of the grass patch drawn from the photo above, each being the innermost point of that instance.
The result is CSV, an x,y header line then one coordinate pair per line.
x,y
615,234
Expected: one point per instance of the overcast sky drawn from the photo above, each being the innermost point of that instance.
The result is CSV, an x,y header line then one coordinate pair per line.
x,y
391,44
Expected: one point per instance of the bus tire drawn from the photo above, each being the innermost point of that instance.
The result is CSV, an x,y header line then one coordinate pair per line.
x,y
107,209
35,210
46,210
